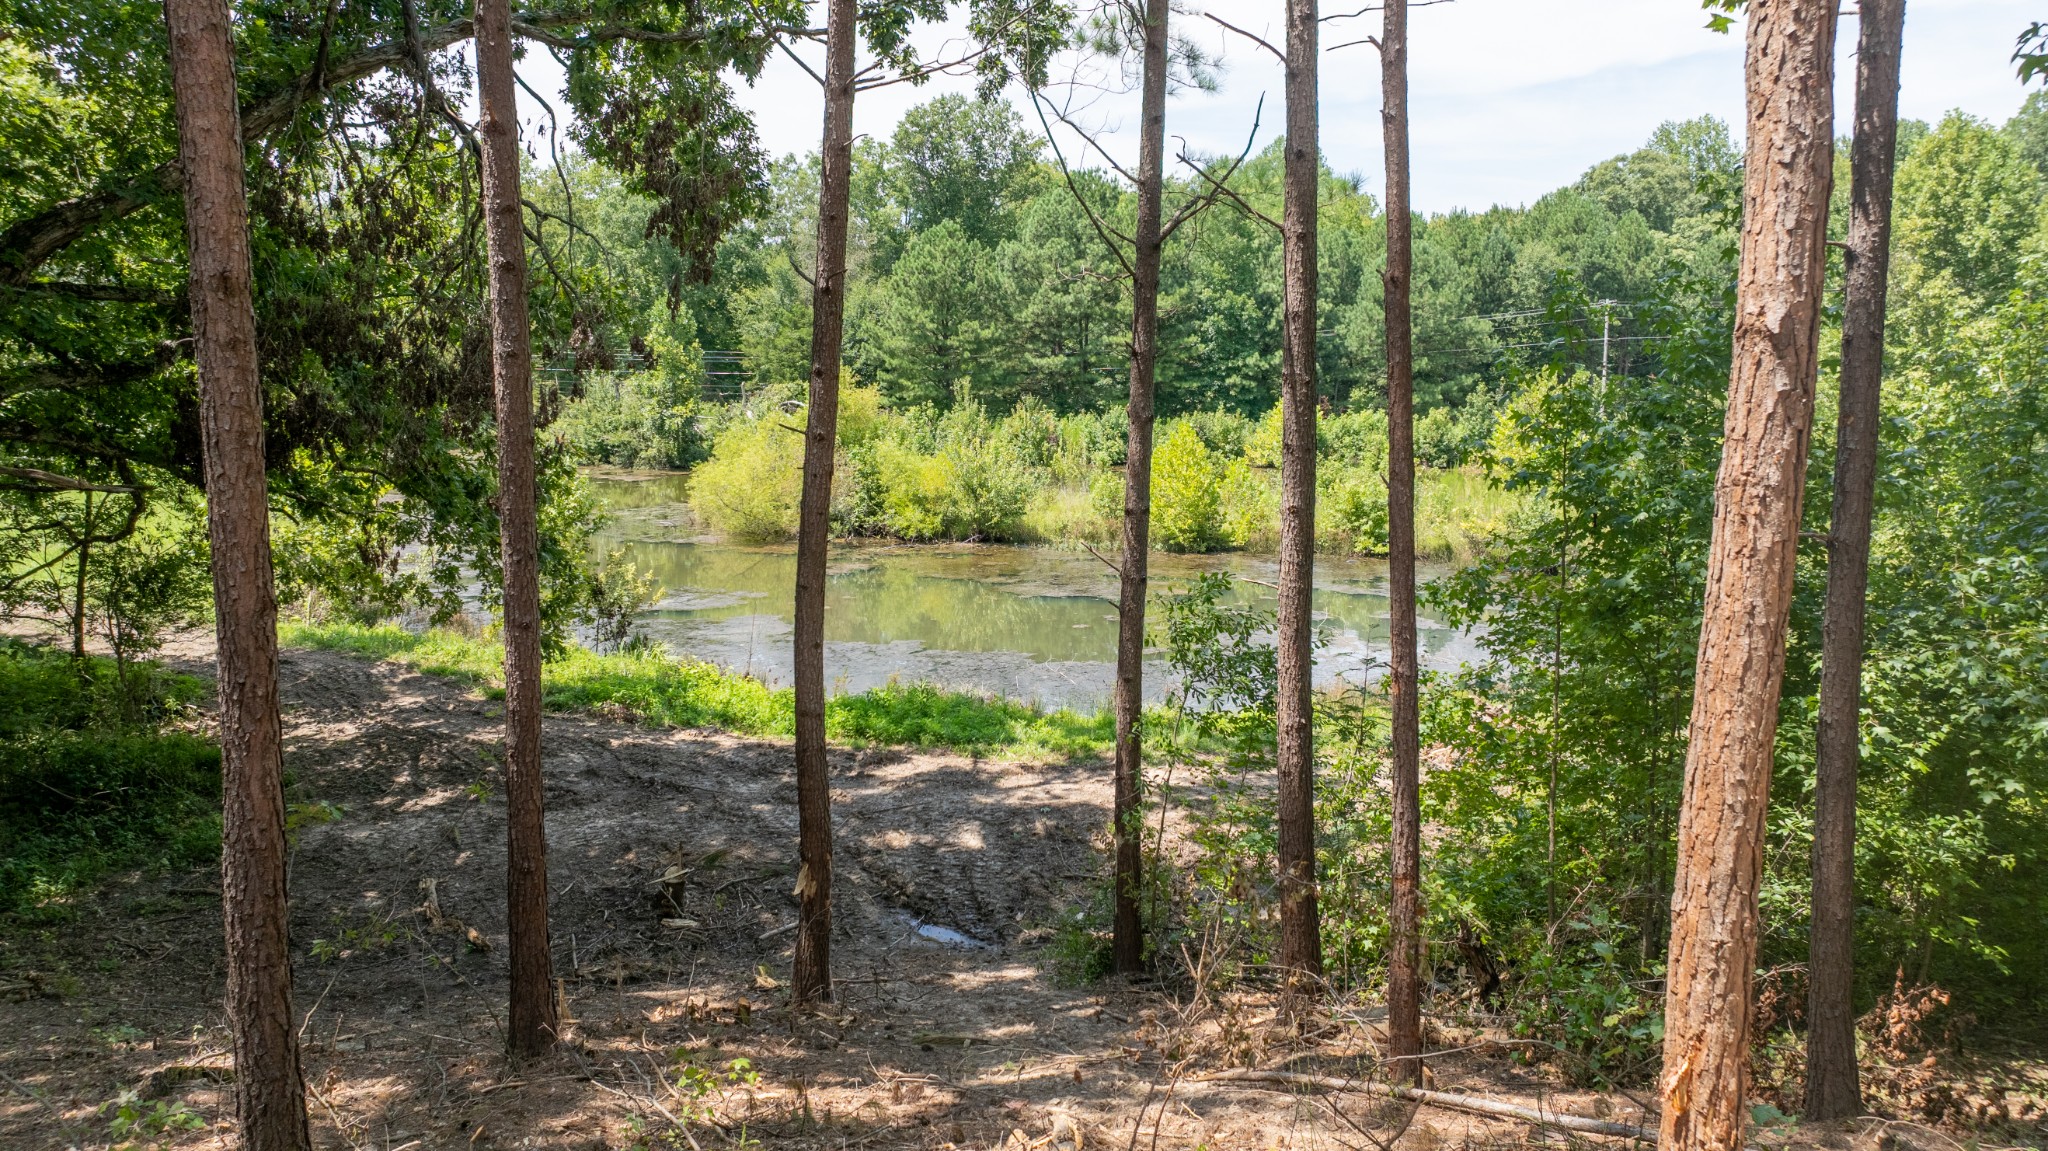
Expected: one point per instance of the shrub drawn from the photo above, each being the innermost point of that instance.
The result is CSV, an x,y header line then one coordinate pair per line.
x,y
1187,493
1262,443
1224,433
1357,438
90,781
915,491
637,420
1351,510
1448,437
1249,508
1105,435
960,475
750,487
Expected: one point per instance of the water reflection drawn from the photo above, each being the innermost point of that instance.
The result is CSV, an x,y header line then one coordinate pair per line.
x,y
1031,623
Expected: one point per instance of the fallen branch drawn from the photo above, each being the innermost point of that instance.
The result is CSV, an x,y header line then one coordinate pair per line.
x,y
1471,1103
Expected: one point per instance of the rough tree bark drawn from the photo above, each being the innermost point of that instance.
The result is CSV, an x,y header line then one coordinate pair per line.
x,y
811,979
1128,939
1404,959
1832,1090
270,1094
1301,943
1788,170
532,1019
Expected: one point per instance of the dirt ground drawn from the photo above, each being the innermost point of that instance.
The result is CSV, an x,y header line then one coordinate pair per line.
x,y
949,1031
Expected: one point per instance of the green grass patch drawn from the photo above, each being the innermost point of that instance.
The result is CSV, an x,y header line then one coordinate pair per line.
x,y
93,778
680,692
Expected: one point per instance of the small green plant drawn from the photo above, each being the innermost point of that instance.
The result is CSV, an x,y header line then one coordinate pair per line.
x,y
299,816
132,1117
375,934
119,1035
703,1085
617,592
1579,991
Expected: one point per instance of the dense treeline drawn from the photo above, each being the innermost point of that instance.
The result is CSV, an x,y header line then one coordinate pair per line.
x,y
975,271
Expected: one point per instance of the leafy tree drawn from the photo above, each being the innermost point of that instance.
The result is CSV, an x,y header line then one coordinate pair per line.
x,y
1967,202
936,328
2028,130
960,160
368,266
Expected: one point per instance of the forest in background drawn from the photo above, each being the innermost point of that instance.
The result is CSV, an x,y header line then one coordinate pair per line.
x,y
1571,371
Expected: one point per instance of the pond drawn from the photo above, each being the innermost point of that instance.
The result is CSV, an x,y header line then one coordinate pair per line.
x,y
1036,624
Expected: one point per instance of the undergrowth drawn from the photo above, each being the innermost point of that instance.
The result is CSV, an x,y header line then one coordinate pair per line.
x,y
96,775
674,691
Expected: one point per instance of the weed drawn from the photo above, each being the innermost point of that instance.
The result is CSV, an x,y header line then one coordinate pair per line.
x,y
132,1116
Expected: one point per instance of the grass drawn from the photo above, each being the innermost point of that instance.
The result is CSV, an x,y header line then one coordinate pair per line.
x,y
95,777
1456,511
671,691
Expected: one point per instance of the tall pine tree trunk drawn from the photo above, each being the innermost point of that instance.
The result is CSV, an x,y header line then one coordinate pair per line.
x,y
1128,941
533,1022
1301,943
270,1094
1404,960
1832,1091
1790,153
811,980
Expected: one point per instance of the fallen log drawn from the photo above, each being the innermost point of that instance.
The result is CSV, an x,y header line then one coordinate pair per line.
x,y
1472,1103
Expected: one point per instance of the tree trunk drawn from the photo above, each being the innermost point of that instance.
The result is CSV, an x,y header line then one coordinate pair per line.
x,y
811,980
1749,573
270,1094
78,586
1832,1091
1301,941
1404,959
1129,938
533,1023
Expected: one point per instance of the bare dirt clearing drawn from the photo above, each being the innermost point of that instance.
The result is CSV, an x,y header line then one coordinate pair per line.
x,y
671,871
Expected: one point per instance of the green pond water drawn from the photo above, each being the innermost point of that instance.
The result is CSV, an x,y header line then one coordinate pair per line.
x,y
1031,623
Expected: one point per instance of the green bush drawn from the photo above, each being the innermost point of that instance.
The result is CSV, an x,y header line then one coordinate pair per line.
x,y
1187,493
637,420
1356,438
1351,510
1224,433
965,492
750,487
87,784
1249,507
962,473
1587,992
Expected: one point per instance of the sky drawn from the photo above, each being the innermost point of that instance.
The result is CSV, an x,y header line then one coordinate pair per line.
x,y
1508,99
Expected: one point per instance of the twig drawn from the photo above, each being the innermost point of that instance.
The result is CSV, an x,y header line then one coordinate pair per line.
x,y
1102,229
1225,190
1277,53
1105,559
1200,203
308,1021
